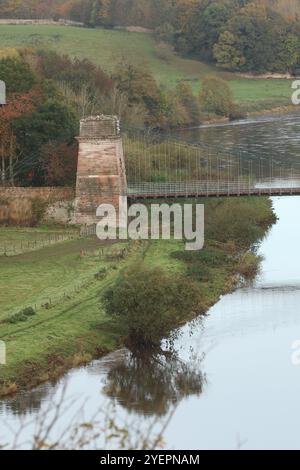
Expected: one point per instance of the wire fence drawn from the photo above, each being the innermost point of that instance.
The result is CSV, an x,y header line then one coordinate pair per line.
x,y
27,246
109,258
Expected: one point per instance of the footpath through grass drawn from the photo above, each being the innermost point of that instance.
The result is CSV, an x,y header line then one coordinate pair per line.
x,y
108,48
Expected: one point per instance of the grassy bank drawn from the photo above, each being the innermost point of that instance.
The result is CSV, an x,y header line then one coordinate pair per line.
x,y
107,48
66,282
63,283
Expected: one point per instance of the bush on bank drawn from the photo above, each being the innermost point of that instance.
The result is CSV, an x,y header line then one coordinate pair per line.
x,y
150,302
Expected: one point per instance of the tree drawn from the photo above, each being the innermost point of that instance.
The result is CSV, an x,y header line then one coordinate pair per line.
x,y
149,303
140,89
216,96
227,54
75,72
258,39
53,121
188,103
17,105
95,13
17,75
59,162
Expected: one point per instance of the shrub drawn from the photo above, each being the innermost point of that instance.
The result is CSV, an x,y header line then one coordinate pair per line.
x,y
249,265
149,303
21,316
198,272
101,274
216,96
188,103
38,210
208,257
242,221
199,263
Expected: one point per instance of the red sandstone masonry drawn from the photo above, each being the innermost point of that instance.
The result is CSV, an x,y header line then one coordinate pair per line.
x,y
101,175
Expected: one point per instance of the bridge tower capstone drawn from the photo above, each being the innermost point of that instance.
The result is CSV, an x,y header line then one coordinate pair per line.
x,y
101,174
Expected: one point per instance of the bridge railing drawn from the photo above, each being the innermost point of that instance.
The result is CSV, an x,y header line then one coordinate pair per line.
x,y
208,188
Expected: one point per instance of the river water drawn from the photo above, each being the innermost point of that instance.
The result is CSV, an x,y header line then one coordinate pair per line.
x,y
262,137
233,383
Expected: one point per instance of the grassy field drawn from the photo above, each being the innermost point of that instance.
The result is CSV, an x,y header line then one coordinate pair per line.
x,y
47,275
107,48
15,240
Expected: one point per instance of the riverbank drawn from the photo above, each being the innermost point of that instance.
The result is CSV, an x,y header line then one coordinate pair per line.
x,y
273,110
74,329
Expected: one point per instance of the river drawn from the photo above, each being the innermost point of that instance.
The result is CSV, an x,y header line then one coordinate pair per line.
x,y
232,385
262,137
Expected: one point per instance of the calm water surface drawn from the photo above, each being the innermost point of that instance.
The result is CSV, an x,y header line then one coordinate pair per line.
x,y
275,136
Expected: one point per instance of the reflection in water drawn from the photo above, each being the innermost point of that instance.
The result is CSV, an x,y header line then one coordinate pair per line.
x,y
138,394
150,385
25,403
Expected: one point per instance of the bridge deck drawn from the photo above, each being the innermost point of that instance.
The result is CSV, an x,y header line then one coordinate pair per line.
x,y
213,189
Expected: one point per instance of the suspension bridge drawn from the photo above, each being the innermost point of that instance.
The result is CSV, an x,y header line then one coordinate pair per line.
x,y
159,167
149,165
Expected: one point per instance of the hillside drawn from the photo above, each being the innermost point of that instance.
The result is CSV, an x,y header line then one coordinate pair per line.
x,y
107,48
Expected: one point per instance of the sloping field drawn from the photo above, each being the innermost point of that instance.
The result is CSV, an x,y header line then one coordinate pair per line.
x,y
108,48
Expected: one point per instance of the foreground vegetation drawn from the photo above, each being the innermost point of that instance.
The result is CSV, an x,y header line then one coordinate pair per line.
x,y
69,325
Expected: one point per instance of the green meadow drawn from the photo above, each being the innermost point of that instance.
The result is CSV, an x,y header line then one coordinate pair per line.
x,y
109,47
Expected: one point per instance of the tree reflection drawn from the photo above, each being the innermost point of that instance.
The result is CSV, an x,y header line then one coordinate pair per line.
x,y
150,385
27,402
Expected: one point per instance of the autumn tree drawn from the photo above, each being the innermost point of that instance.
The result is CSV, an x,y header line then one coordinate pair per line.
x,y
75,72
17,74
52,121
187,102
216,96
59,163
17,105
227,52
141,91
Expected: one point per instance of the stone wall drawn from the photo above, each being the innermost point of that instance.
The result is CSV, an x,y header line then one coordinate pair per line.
x,y
47,193
28,206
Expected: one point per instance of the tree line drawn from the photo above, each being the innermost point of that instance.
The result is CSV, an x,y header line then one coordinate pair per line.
x,y
243,35
48,94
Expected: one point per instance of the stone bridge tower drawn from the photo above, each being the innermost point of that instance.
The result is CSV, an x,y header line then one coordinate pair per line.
x,y
101,174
